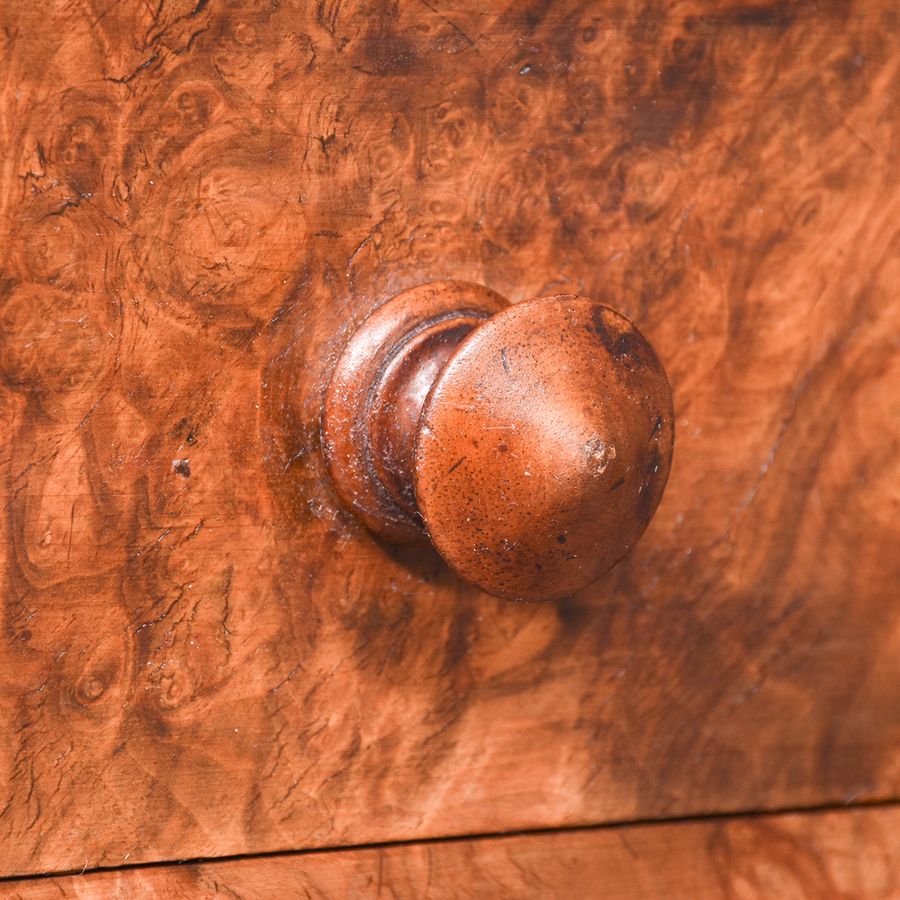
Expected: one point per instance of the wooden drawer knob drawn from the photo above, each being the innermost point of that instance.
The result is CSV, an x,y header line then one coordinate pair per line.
x,y
530,442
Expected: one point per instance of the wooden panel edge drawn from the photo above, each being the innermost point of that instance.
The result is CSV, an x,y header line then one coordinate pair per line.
x,y
822,854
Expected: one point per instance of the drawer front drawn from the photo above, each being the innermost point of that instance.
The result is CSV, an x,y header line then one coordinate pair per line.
x,y
826,855
201,654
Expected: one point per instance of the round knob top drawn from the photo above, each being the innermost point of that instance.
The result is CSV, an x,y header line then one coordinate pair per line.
x,y
544,446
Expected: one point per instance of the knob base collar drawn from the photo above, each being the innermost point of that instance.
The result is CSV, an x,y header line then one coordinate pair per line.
x,y
374,400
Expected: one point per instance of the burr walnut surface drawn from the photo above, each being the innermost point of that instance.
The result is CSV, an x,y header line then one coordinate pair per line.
x,y
201,653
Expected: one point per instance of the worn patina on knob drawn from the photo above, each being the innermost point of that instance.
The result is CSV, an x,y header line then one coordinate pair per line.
x,y
529,442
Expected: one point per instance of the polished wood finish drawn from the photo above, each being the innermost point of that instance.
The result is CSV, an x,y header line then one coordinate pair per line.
x,y
200,652
821,856
532,445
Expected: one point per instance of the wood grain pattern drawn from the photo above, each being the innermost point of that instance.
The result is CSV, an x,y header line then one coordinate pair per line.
x,y
820,856
199,654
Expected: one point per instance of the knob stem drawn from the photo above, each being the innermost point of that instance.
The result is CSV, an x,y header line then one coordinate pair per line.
x,y
399,394
374,402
